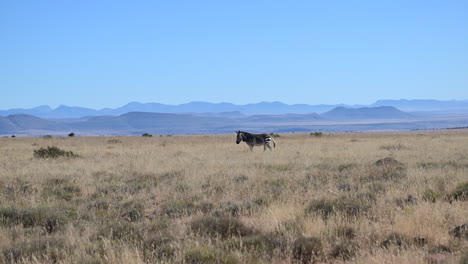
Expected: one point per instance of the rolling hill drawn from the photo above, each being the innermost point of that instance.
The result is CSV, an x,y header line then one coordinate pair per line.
x,y
262,108
366,113
134,123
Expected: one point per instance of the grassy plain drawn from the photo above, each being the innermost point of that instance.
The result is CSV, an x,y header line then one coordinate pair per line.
x,y
204,199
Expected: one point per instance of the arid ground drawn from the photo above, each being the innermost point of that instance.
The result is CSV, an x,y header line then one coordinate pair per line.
x,y
316,198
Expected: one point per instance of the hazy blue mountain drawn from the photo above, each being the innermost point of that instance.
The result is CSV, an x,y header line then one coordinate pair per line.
x,y
285,118
134,123
29,111
64,111
365,113
24,123
262,108
7,126
154,123
425,105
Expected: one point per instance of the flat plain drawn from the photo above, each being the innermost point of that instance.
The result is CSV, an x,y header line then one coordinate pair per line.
x,y
386,197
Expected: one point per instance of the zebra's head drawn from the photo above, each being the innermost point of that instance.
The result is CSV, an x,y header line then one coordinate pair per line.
x,y
239,137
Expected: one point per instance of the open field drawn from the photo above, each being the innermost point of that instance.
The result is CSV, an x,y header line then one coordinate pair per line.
x,y
204,199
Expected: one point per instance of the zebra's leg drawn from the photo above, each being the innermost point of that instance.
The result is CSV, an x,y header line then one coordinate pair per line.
x,y
251,147
267,145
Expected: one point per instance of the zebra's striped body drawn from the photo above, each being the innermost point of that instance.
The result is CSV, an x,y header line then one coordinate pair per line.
x,y
255,140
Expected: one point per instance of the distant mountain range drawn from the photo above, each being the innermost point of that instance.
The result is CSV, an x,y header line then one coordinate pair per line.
x,y
134,123
232,110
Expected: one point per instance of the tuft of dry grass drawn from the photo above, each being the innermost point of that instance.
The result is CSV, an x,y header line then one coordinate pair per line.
x,y
345,197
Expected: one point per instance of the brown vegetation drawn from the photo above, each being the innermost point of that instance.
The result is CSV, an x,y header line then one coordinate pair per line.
x,y
345,197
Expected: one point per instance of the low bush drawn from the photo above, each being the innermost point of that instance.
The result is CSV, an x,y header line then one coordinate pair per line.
x,y
120,231
307,249
346,232
159,247
464,258
49,250
430,195
346,167
220,226
349,206
460,231
345,250
387,169
246,208
132,210
260,245
394,147
460,193
396,239
177,208
208,255
98,204
51,219
66,192
114,141
53,153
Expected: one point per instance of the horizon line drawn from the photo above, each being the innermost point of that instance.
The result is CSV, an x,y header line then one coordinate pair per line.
x,y
236,104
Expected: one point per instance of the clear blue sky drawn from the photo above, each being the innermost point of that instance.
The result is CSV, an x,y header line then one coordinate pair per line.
x,y
106,53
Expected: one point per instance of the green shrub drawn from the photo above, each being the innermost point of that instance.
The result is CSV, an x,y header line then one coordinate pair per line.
x,y
43,249
346,232
159,224
66,193
307,249
345,250
90,260
387,169
394,147
220,226
71,134
323,207
120,231
132,210
159,247
177,208
431,196
260,245
464,258
208,255
460,193
205,207
235,209
98,204
241,179
396,239
349,206
146,135
51,219
53,153
316,134
275,135
460,231
346,167
113,141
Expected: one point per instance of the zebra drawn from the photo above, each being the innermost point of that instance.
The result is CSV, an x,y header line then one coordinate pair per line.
x,y
255,140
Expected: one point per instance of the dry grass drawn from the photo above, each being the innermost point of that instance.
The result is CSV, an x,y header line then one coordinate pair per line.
x,y
137,199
